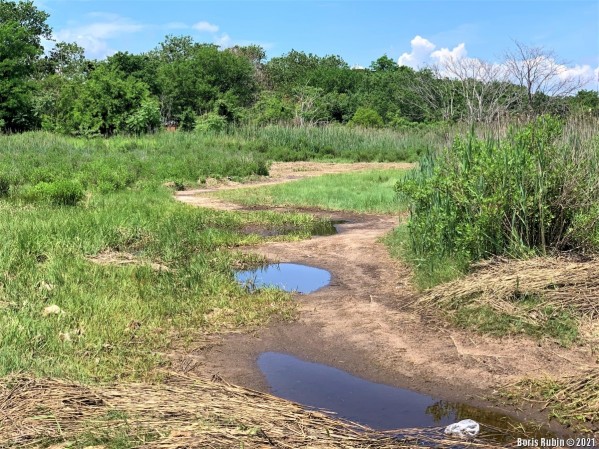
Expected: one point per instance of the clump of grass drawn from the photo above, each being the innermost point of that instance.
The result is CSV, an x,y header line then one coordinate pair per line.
x,y
59,193
572,401
367,191
533,191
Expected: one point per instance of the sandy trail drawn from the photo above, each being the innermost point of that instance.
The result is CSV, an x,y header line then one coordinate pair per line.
x,y
363,323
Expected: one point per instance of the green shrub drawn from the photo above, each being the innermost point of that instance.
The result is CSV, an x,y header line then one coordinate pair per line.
x,y
367,118
145,119
211,122
59,193
525,193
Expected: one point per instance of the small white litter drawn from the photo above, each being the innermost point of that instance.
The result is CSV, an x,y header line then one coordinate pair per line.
x,y
465,429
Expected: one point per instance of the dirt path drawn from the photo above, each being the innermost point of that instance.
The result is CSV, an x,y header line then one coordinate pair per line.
x,y
362,322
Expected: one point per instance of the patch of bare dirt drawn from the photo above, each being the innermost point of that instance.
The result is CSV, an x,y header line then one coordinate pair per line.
x,y
364,323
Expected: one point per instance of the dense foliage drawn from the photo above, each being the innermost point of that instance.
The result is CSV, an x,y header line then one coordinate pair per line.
x,y
181,80
531,192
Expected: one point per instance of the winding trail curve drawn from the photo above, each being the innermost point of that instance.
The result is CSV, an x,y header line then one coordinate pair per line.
x,y
363,322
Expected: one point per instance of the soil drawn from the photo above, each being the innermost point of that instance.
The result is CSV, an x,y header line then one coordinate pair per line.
x,y
363,321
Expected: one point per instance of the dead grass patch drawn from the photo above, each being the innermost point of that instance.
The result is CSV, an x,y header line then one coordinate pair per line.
x,y
539,294
182,412
122,258
573,400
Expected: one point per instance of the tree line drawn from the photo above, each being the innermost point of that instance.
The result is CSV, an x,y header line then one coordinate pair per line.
x,y
189,84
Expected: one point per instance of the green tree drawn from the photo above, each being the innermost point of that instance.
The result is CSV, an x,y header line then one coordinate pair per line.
x,y
384,64
367,118
22,26
145,119
585,102
105,103
195,76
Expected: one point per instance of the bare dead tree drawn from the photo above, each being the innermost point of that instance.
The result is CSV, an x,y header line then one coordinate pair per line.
x,y
539,71
484,87
432,94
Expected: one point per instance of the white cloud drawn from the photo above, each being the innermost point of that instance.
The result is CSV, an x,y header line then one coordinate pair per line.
x,y
204,26
583,71
423,53
420,55
94,36
445,54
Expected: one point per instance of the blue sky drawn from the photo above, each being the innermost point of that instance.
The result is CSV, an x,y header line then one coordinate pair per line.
x,y
358,31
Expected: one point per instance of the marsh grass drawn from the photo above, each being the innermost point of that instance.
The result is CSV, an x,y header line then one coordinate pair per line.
x,y
366,191
532,191
107,165
288,143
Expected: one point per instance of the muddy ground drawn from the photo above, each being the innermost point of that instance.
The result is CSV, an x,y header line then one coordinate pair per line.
x,y
363,322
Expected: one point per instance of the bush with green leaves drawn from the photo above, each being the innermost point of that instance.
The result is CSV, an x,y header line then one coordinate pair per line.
x,y
527,193
367,118
145,119
211,122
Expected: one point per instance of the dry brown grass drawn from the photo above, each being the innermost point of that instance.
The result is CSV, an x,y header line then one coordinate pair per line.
x,y
123,258
560,283
182,412
573,400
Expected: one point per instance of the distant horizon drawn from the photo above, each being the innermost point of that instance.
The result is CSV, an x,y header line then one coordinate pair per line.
x,y
411,33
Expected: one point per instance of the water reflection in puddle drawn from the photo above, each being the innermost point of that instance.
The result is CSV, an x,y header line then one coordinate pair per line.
x,y
375,405
286,276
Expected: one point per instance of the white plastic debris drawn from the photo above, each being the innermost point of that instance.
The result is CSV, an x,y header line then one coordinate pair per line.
x,y
465,429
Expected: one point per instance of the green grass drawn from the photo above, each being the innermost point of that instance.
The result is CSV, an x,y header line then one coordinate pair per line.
x,y
560,326
427,271
367,191
105,165
530,191
64,200
288,143
119,318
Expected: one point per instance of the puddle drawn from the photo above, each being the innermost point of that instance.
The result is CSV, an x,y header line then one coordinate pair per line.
x,y
286,276
376,405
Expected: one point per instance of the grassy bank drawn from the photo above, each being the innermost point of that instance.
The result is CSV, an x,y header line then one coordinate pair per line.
x,y
522,197
368,191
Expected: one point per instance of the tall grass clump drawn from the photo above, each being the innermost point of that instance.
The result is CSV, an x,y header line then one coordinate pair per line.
x,y
533,191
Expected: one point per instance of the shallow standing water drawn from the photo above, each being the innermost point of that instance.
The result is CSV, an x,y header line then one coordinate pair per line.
x,y
286,276
376,405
